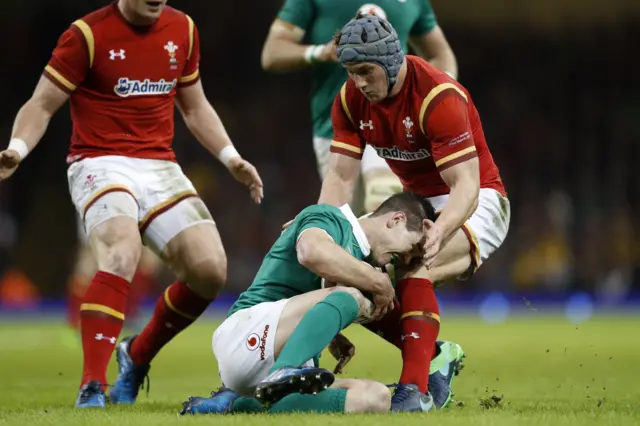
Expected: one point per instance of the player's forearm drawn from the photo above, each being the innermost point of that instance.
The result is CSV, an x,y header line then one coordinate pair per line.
x,y
336,190
463,200
326,259
284,55
31,123
206,126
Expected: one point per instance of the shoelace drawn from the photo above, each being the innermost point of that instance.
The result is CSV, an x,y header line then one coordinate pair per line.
x,y
401,392
132,378
88,391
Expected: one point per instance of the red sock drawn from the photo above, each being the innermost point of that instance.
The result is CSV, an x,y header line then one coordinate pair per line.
x,y
175,310
101,318
420,327
75,292
140,285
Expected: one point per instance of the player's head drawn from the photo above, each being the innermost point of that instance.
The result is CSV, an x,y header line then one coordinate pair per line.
x,y
146,11
369,49
399,228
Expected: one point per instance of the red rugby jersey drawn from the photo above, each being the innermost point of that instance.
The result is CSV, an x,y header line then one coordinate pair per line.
x,y
432,124
122,81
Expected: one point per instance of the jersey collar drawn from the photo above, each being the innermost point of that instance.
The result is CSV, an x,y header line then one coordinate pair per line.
x,y
358,232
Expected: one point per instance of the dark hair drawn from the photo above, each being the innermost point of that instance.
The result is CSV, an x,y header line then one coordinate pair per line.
x,y
416,207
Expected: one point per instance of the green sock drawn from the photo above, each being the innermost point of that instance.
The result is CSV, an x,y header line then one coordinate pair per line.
x,y
327,401
247,404
317,328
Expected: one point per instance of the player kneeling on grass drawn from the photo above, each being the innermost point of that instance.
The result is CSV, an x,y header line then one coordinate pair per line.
x,y
428,129
267,345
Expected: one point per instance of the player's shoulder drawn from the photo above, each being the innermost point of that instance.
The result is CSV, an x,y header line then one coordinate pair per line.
x,y
99,16
429,81
174,15
325,211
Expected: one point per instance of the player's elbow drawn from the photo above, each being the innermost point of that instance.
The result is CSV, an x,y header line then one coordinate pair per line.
x,y
268,58
309,254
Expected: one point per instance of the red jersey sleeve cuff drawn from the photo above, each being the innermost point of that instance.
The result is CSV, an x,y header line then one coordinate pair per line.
x,y
456,158
59,80
188,80
346,149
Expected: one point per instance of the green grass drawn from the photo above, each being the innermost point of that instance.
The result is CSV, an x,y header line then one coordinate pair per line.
x,y
549,372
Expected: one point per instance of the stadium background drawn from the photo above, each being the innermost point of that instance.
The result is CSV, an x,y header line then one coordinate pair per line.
x,y
556,85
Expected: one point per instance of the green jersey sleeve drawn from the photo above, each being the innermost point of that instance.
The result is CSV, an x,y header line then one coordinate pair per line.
x,y
426,21
298,12
322,220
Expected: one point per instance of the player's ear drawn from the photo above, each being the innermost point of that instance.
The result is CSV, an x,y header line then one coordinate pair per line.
x,y
396,218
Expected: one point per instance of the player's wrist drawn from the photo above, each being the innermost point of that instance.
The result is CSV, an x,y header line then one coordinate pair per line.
x,y
312,53
20,146
227,154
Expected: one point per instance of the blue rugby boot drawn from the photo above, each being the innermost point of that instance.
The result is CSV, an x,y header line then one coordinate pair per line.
x,y
409,398
287,380
444,367
91,396
220,402
130,376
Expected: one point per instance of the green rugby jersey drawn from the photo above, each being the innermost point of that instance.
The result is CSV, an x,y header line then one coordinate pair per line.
x,y
281,276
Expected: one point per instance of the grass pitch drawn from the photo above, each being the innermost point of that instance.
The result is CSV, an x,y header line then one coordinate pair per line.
x,y
526,371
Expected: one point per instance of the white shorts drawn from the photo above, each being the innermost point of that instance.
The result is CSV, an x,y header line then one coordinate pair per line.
x,y
487,227
244,346
155,193
370,158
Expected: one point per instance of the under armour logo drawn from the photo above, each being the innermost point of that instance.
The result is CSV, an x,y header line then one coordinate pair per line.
x,y
369,125
101,336
113,54
413,335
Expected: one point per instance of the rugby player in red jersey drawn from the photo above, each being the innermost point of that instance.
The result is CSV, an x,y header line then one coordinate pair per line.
x,y
123,68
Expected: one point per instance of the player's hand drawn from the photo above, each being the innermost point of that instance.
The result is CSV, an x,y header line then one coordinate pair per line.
x,y
383,298
432,243
328,53
245,173
288,224
9,161
342,350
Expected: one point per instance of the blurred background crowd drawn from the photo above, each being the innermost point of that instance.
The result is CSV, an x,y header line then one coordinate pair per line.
x,y
555,82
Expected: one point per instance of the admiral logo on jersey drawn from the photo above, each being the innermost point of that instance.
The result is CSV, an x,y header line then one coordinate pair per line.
x,y
395,154
126,87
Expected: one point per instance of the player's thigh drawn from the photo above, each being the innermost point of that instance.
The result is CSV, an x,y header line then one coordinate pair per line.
x,y
378,180
321,148
244,345
298,306
364,396
116,245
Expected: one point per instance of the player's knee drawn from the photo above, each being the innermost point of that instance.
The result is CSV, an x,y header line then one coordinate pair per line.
x,y
365,307
368,397
379,184
121,259
206,275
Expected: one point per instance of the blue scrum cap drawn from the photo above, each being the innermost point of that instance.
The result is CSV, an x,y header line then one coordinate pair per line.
x,y
369,38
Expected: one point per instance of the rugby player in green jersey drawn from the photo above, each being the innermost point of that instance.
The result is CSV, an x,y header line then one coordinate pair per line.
x,y
301,36
269,343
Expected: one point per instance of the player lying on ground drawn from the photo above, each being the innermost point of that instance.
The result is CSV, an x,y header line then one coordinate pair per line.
x,y
301,36
427,128
123,67
267,344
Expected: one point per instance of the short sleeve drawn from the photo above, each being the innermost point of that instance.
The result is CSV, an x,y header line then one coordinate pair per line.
x,y
321,220
426,22
346,140
69,61
448,127
298,12
191,72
